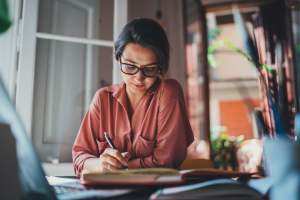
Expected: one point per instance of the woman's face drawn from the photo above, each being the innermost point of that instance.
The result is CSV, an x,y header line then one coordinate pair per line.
x,y
138,56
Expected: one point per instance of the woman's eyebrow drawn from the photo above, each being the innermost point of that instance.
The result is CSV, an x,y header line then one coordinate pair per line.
x,y
150,64
128,60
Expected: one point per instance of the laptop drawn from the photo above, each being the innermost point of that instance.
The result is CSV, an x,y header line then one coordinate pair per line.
x,y
33,182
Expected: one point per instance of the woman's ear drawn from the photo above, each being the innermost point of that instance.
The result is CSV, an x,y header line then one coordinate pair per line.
x,y
162,74
115,56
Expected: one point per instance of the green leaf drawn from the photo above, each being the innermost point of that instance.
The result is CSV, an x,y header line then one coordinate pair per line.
x,y
4,16
247,40
224,150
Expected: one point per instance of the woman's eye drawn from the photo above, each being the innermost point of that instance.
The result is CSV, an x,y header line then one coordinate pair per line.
x,y
150,69
130,67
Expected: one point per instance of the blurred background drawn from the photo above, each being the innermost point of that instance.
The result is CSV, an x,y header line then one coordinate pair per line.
x,y
57,53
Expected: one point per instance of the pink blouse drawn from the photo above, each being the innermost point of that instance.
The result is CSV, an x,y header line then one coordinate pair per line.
x,y
157,135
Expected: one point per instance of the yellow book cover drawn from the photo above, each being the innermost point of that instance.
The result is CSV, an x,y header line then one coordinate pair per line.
x,y
154,176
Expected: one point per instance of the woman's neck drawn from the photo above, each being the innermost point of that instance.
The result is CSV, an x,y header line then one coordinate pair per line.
x,y
135,97
134,100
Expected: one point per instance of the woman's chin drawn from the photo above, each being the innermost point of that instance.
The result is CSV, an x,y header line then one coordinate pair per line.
x,y
138,89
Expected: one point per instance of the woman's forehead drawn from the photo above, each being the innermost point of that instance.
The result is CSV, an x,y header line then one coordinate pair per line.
x,y
138,54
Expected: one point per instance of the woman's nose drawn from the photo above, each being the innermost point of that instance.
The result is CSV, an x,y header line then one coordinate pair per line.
x,y
139,75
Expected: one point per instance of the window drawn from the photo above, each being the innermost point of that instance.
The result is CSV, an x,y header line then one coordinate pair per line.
x,y
70,45
64,53
234,87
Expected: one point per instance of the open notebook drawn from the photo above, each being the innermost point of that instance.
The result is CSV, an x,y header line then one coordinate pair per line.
x,y
154,176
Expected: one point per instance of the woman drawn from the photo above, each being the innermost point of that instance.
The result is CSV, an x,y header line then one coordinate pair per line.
x,y
144,116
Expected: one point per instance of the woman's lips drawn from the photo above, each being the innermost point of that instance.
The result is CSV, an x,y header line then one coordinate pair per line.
x,y
139,85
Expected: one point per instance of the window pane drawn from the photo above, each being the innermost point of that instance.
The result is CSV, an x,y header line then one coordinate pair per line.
x,y
77,18
66,78
234,88
296,36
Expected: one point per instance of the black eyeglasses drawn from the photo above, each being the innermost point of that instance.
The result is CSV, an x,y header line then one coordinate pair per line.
x,y
151,70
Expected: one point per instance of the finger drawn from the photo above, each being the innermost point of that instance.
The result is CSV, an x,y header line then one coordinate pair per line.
x,y
108,150
107,159
108,167
116,154
126,155
113,161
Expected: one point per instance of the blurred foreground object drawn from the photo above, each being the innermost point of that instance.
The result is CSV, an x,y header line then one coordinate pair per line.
x,y
9,182
282,165
4,16
249,155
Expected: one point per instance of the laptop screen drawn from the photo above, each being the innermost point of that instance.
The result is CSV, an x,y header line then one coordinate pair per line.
x,y
33,182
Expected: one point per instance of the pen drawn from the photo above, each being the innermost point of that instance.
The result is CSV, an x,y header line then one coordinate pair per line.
x,y
108,140
111,145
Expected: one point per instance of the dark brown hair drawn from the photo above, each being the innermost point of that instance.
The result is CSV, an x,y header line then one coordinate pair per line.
x,y
149,34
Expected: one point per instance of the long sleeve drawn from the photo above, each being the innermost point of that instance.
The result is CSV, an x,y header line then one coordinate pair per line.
x,y
157,135
85,145
174,133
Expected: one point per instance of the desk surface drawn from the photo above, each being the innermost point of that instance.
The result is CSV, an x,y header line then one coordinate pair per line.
x,y
261,185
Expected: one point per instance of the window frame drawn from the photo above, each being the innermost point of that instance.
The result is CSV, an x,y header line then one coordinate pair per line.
x,y
27,55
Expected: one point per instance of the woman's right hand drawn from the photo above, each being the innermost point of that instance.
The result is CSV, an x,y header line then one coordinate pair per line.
x,y
110,159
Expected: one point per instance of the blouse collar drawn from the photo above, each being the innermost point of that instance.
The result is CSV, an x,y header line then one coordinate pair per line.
x,y
119,91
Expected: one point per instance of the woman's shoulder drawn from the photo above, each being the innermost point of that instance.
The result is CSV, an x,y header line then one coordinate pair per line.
x,y
171,83
170,88
106,91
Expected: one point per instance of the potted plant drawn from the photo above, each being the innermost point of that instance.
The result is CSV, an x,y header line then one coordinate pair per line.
x,y
224,148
